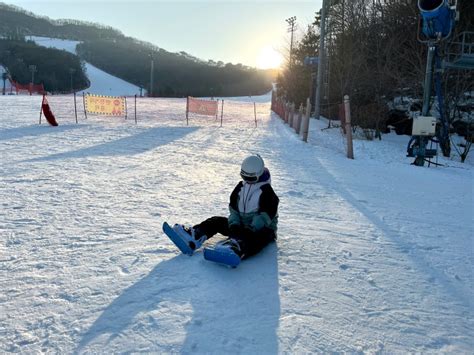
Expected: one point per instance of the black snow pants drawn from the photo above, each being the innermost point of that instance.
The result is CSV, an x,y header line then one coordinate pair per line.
x,y
250,242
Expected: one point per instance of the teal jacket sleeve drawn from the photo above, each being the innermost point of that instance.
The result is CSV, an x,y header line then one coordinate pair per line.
x,y
234,217
260,220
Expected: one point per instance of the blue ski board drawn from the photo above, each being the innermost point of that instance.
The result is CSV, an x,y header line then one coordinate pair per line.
x,y
177,239
224,257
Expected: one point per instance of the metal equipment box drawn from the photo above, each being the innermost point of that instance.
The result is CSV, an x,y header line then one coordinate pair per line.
x,y
424,126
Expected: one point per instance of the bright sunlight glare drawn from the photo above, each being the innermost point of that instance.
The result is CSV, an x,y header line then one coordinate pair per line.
x,y
269,58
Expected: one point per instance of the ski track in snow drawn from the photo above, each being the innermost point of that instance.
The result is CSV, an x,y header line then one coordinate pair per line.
x,y
373,255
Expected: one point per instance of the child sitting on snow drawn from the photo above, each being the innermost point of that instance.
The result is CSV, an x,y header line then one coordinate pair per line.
x,y
252,223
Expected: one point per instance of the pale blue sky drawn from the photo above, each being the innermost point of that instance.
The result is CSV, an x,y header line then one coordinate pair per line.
x,y
230,31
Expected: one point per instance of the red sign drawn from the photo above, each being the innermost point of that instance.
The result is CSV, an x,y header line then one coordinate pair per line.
x,y
202,107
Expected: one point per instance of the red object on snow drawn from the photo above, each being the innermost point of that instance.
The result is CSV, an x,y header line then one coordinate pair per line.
x,y
48,113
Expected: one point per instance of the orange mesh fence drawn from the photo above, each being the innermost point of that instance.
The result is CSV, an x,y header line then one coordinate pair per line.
x,y
30,88
202,107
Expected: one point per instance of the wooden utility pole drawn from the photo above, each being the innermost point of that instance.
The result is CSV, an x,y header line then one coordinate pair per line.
x,y
291,22
319,80
347,114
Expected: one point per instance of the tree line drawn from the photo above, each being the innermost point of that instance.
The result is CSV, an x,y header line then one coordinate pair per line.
x,y
175,74
58,71
373,55
16,23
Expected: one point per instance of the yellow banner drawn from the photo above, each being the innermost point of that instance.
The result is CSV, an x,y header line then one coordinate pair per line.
x,y
105,105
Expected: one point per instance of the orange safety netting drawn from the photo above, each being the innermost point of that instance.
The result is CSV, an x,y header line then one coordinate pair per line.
x,y
202,107
278,106
30,88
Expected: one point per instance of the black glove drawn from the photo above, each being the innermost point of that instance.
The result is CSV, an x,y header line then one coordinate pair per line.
x,y
235,230
246,232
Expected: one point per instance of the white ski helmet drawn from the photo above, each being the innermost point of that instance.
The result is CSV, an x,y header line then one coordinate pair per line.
x,y
252,168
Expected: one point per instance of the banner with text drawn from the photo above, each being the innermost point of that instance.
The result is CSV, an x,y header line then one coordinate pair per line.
x,y
202,107
105,105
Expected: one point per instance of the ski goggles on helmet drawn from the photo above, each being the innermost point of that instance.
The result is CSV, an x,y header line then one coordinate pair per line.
x,y
248,178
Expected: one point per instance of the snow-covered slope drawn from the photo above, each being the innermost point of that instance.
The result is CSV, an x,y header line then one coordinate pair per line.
x,y
374,255
102,83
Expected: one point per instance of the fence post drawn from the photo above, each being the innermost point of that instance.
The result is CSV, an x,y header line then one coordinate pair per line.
x,y
135,109
187,110
293,113
347,111
41,109
222,112
306,120
290,114
297,125
75,106
126,107
255,113
84,104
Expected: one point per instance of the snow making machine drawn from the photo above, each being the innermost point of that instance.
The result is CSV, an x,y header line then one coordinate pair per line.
x,y
437,20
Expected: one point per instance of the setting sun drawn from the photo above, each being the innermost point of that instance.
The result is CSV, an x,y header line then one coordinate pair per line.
x,y
269,58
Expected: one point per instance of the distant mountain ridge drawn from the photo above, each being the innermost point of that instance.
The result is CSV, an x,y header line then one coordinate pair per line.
x,y
15,21
175,74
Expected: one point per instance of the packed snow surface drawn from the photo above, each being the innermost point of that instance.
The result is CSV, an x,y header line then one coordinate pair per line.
x,y
373,254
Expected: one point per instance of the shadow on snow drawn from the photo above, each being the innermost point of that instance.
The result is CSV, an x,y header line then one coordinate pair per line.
x,y
130,145
233,310
33,131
